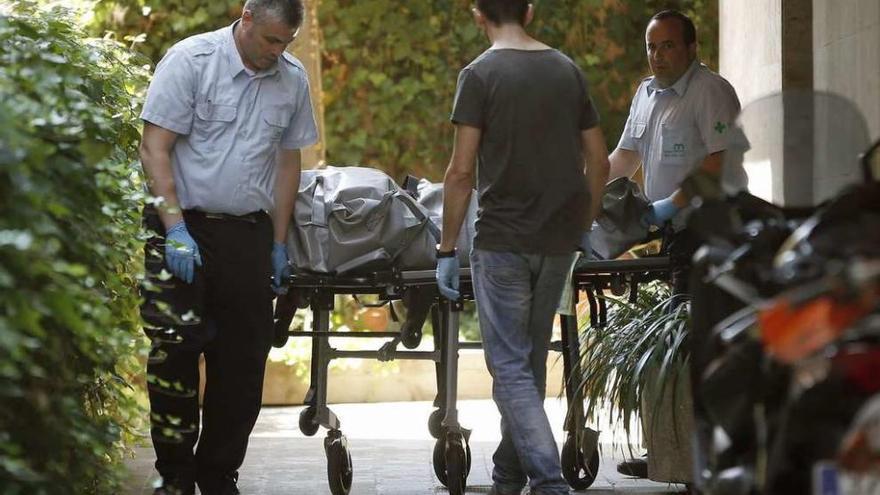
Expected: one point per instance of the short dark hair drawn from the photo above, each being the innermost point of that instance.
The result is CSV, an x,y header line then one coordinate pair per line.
x,y
288,11
504,11
687,25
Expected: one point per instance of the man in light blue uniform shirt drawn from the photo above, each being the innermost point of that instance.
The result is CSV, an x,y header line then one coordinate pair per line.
x,y
225,117
678,121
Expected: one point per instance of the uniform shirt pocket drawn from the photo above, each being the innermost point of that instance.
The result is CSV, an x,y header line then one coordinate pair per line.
x,y
637,131
274,124
677,143
212,119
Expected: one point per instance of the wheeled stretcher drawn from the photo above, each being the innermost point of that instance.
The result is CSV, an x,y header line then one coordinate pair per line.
x,y
451,456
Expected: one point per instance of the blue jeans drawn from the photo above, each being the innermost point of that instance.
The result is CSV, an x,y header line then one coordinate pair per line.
x,y
517,296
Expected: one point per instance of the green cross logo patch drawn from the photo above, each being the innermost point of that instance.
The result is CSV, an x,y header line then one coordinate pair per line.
x,y
719,127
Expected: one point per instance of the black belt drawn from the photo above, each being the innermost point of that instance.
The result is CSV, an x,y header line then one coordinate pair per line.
x,y
252,217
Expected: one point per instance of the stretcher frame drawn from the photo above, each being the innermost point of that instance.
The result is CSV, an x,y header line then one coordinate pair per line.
x,y
451,457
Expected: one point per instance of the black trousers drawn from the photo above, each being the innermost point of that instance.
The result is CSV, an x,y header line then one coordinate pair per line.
x,y
225,314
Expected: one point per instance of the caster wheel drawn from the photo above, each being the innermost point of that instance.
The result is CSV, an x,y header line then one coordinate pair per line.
x,y
339,468
411,338
435,423
452,462
579,474
307,424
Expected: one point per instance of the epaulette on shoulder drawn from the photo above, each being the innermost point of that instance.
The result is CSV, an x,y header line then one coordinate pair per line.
x,y
200,45
290,59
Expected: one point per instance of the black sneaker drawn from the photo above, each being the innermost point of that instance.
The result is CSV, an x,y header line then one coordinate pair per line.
x,y
230,484
227,485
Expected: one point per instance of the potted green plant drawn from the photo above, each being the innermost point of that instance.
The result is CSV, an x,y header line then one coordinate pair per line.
x,y
636,366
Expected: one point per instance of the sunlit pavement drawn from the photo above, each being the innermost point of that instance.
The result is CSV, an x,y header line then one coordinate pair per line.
x,y
391,452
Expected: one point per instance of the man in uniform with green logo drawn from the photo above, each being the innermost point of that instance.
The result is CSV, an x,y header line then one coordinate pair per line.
x,y
678,121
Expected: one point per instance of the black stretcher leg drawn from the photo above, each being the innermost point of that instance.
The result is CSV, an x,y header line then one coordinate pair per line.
x,y
317,413
580,455
452,454
435,421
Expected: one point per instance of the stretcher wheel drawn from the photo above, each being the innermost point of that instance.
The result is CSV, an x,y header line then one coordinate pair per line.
x,y
579,474
435,423
339,468
411,338
307,424
452,462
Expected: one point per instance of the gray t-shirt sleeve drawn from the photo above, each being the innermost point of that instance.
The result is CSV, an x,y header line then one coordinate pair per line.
x,y
171,95
589,115
470,100
301,131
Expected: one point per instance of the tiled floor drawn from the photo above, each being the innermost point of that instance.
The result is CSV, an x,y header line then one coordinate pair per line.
x,y
390,449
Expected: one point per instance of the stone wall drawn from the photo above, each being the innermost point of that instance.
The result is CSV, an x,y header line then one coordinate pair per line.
x,y
846,45
412,381
750,54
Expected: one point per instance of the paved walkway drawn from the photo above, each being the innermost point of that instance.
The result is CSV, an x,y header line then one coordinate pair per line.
x,y
390,449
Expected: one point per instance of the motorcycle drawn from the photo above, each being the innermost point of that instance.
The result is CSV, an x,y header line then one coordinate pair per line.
x,y
785,329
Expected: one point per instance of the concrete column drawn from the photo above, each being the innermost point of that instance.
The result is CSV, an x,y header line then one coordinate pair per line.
x,y
765,48
750,54
799,126
797,44
846,39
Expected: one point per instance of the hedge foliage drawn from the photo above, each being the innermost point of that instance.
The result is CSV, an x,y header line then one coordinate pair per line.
x,y
69,249
390,67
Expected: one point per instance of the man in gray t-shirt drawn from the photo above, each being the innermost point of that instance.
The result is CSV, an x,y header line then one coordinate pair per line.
x,y
524,120
225,117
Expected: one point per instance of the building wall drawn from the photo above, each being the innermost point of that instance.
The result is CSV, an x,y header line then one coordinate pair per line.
x,y
846,41
826,45
750,55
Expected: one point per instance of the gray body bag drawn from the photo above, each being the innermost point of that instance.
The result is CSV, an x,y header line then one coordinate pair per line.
x,y
430,196
355,219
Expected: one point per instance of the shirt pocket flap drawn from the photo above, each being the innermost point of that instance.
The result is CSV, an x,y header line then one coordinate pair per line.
x,y
276,118
637,130
215,112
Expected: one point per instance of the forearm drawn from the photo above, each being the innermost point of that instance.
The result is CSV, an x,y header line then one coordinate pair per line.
x,y
598,171
286,189
160,180
457,190
624,163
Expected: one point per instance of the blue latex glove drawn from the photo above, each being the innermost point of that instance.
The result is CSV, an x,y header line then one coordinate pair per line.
x,y
585,245
280,268
181,252
661,212
447,277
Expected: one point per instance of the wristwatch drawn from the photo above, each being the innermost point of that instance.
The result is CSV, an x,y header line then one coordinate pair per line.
x,y
445,254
